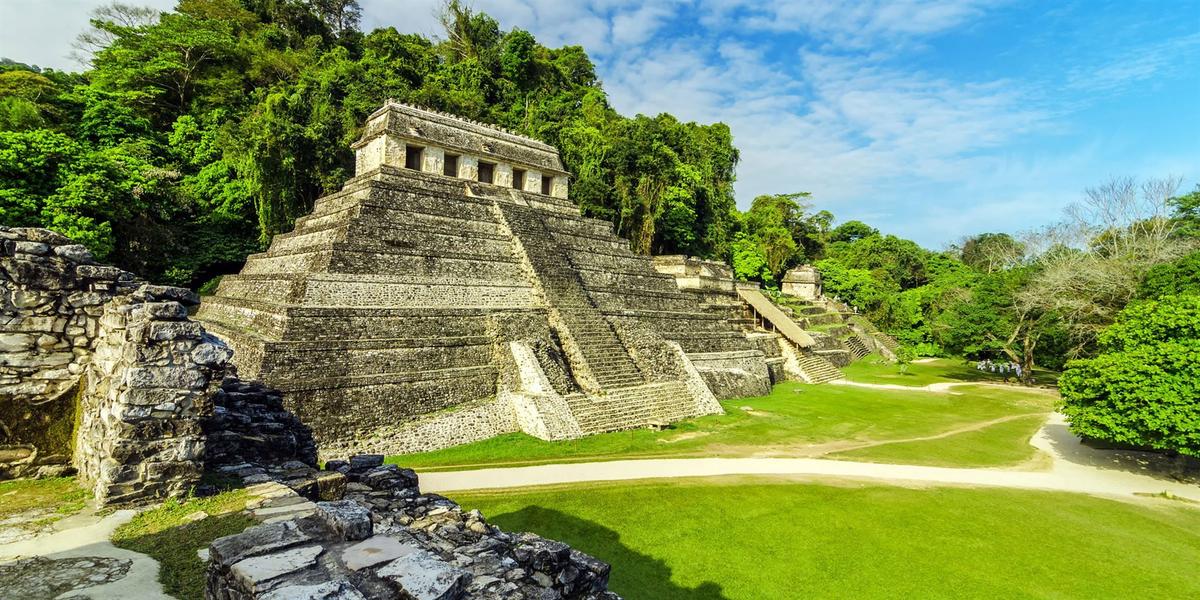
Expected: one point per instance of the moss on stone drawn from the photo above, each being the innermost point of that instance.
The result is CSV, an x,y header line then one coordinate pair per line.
x,y
61,495
47,426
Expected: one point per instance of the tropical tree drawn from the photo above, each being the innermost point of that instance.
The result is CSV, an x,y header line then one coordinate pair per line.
x,y
1143,388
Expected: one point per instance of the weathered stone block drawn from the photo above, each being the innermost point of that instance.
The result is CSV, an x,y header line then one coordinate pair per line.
x,y
166,293
424,576
329,590
256,574
186,378
74,252
161,331
35,248
366,461
347,519
377,550
257,541
99,272
166,311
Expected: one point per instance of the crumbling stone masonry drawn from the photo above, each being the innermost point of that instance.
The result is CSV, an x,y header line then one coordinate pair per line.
x,y
100,370
449,293
846,335
375,536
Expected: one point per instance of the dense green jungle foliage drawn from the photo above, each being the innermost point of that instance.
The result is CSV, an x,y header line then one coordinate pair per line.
x,y
197,134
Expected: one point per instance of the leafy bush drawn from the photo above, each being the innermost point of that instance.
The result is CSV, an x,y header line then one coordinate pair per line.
x,y
1179,277
1143,389
928,349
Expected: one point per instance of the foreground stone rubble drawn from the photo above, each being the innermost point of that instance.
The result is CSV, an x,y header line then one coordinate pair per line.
x,y
371,534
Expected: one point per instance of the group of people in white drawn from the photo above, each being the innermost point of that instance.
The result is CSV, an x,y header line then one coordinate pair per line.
x,y
1005,369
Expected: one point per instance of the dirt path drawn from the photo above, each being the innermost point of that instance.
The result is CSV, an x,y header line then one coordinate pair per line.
x,y
939,388
817,450
1073,468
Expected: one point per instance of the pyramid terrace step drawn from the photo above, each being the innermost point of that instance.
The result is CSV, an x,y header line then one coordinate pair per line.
x,y
376,379
349,247
585,240
383,343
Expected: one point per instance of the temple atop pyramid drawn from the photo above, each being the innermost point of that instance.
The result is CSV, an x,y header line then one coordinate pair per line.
x,y
450,292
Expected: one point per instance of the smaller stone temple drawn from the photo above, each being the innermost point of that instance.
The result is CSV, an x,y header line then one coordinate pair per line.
x,y
803,282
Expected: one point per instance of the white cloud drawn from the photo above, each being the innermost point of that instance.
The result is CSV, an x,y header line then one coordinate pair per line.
x,y
40,32
843,126
597,25
847,23
1134,66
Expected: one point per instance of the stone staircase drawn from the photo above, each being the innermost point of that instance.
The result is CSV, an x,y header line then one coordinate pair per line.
x,y
844,337
816,369
857,348
579,321
655,403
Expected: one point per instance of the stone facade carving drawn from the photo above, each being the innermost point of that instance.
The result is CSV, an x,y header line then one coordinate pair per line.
x,y
381,315
396,129
803,282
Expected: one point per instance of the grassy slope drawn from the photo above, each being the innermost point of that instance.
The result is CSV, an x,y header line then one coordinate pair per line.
x,y
165,535
793,416
713,539
1001,444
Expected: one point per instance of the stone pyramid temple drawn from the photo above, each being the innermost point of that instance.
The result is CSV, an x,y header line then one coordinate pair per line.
x,y
450,292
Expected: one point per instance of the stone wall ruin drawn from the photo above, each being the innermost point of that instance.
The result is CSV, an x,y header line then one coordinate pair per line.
x,y
368,533
99,371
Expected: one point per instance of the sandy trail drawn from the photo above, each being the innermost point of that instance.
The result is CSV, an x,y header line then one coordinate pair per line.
x,y
941,387
1073,468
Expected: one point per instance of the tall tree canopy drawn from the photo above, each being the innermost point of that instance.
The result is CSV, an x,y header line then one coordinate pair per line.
x,y
198,133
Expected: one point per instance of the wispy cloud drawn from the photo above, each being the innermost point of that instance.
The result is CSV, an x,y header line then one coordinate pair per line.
x,y
846,23
1134,66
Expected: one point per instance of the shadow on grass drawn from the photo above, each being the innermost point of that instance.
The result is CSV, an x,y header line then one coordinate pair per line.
x,y
635,576
173,542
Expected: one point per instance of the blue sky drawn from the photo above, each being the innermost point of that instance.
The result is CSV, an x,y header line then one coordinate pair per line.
x,y
928,119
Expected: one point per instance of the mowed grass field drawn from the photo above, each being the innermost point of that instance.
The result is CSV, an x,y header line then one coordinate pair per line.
x,y
806,420
874,369
756,539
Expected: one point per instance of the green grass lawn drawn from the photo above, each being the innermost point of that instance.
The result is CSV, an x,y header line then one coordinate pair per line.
x,y
756,539
789,421
874,369
1002,444
165,534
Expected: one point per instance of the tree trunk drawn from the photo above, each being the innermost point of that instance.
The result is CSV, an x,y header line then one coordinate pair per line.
x,y
1027,359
